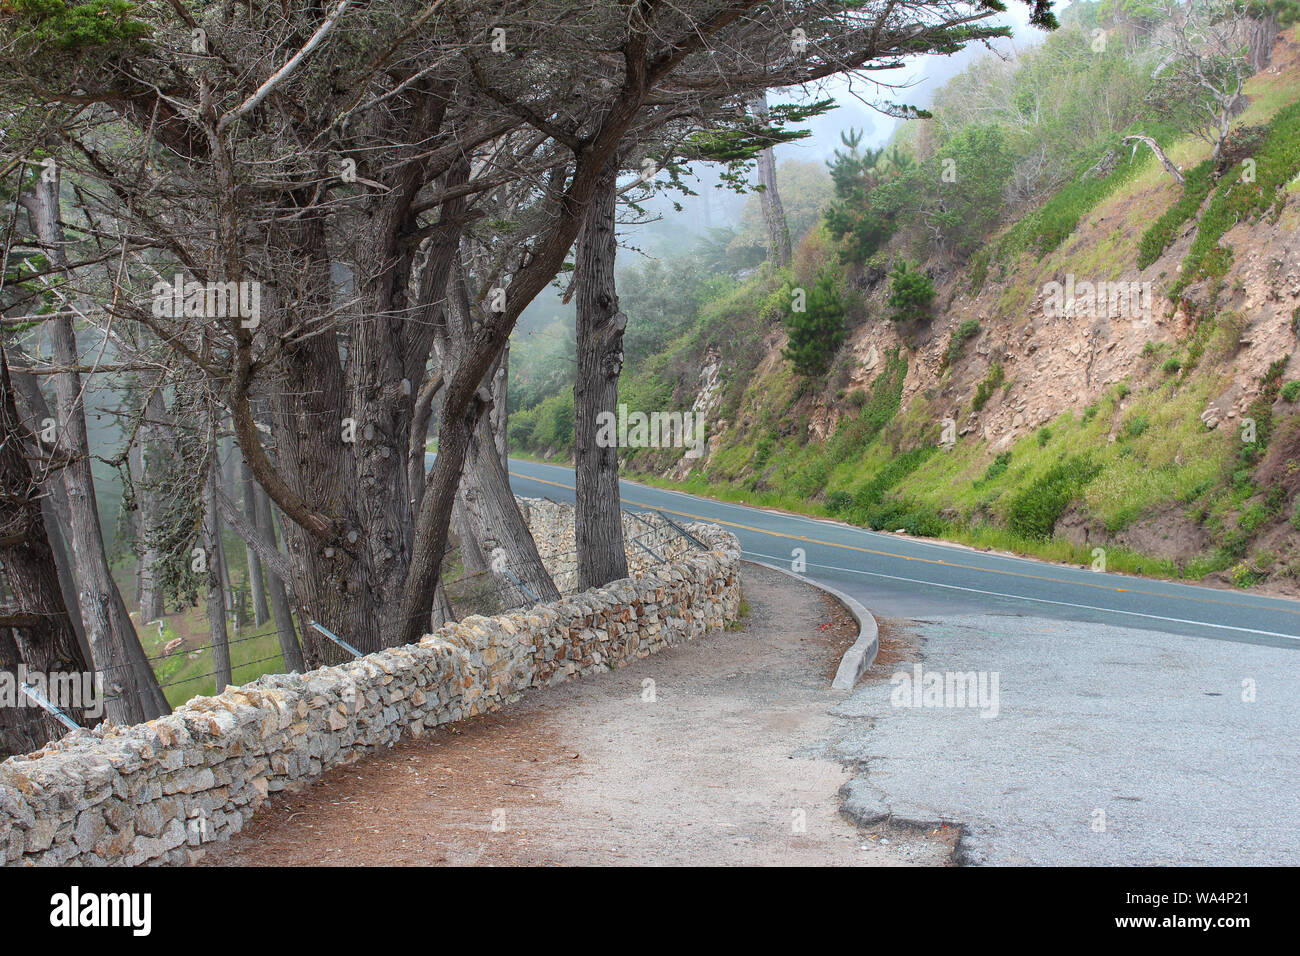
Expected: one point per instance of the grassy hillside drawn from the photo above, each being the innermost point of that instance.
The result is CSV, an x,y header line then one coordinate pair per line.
x,y
1053,460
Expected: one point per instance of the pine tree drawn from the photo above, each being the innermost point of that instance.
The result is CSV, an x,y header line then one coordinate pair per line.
x,y
816,332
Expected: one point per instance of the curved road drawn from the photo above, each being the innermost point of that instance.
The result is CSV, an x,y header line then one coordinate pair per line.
x,y
897,576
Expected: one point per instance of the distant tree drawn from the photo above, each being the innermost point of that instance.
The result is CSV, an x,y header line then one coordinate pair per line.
x,y
1206,50
817,331
965,184
911,293
806,189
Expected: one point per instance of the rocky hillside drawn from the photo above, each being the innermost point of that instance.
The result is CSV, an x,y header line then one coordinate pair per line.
x,y
1155,418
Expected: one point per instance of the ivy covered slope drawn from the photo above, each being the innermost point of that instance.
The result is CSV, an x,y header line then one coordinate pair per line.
x,y
1154,416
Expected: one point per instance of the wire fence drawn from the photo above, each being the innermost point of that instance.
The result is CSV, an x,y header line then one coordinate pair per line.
x,y
497,589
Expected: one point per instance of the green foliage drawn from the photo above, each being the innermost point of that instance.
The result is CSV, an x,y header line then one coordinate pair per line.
x,y
39,25
1162,233
1277,162
1135,426
998,466
816,333
547,427
880,407
1035,511
957,340
907,515
911,293
967,206
1290,391
1171,365
870,495
985,389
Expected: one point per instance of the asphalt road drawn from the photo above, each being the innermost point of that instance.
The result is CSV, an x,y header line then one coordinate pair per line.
x,y
1127,721
897,576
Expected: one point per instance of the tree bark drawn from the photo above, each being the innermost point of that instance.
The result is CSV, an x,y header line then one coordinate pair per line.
x,y
1263,34
600,325
217,635
493,533
133,692
152,432
54,496
778,231
290,650
255,583
45,640
1165,161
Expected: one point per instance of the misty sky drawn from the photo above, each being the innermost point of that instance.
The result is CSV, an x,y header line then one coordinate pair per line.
x,y
922,76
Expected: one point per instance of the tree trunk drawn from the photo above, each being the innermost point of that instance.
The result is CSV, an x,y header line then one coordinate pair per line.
x,y
54,498
215,593
153,432
258,590
600,325
1165,161
23,727
1262,36
290,650
493,533
41,635
132,688
778,232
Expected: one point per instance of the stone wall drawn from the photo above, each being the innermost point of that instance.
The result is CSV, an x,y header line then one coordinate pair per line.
x,y
157,792
650,540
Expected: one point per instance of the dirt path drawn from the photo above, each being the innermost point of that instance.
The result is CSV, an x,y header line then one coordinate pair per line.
x,y
716,761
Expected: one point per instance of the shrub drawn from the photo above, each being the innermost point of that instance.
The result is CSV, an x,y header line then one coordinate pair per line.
x,y
911,293
1290,391
838,501
1136,426
957,341
1171,366
816,333
1234,200
1035,511
873,492
985,389
1162,233
998,466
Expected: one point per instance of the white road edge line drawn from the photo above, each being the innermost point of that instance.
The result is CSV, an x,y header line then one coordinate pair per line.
x,y
1022,597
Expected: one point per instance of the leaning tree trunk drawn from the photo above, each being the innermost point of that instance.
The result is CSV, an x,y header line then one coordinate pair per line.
x,y
215,592
54,497
778,232
493,533
152,433
600,325
499,527
281,610
133,692
255,583
1165,161
39,632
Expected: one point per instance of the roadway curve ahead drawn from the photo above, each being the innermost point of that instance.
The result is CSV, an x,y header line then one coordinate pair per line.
x,y
904,577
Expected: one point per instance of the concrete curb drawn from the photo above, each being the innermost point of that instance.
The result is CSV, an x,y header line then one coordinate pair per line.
x,y
863,653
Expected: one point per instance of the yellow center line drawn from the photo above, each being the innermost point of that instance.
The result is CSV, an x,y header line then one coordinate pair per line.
x,y
904,557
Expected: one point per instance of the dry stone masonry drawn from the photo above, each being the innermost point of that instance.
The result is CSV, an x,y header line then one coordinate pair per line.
x,y
157,792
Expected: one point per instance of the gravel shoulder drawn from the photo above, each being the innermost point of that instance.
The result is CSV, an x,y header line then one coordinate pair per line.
x,y
716,752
